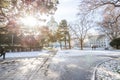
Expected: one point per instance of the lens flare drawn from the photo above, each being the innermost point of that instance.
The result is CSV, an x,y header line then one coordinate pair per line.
x,y
29,21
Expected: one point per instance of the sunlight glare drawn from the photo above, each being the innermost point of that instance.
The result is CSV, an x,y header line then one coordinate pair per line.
x,y
29,21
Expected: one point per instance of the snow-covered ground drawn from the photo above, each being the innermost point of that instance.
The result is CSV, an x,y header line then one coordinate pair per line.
x,y
88,52
109,70
25,54
110,67
73,52
25,68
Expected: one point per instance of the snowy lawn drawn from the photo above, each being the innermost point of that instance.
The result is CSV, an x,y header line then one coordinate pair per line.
x,y
25,54
88,52
109,70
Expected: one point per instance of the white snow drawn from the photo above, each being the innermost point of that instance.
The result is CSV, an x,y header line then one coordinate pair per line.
x,y
25,54
87,52
109,70
66,53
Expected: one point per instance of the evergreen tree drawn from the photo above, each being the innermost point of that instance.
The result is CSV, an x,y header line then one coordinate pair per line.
x,y
115,43
63,33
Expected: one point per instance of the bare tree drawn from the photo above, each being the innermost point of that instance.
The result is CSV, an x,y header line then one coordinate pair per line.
x,y
80,29
94,4
111,13
110,24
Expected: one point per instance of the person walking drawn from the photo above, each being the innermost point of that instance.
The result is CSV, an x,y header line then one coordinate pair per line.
x,y
2,52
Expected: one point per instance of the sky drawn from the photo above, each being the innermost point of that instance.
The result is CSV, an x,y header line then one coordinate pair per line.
x,y
67,9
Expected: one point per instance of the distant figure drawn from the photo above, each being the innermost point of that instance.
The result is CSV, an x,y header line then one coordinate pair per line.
x,y
93,47
2,52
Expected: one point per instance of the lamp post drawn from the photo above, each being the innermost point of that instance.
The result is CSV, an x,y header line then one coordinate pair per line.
x,y
12,42
12,39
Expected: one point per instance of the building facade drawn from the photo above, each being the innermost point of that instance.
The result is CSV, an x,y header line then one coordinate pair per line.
x,y
52,24
101,41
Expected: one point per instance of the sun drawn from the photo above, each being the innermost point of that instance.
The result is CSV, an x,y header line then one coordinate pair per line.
x,y
29,21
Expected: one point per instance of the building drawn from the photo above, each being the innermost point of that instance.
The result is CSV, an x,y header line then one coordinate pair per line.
x,y
52,24
100,41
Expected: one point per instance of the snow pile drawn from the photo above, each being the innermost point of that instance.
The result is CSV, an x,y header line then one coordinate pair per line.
x,y
109,70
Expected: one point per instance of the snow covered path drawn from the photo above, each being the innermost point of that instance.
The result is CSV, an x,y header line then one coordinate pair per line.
x,y
25,68
20,69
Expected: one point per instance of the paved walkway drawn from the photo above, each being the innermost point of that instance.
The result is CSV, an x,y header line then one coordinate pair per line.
x,y
74,65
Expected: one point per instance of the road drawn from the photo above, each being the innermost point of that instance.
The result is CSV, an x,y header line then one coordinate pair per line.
x,y
74,68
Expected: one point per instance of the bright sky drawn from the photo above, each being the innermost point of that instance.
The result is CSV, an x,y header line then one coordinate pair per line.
x,y
67,9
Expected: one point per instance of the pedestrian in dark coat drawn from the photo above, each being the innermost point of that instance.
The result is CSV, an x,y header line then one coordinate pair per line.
x,y
2,52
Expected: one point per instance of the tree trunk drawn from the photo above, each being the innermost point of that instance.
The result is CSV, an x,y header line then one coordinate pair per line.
x,y
117,46
65,43
69,41
47,44
60,45
81,44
